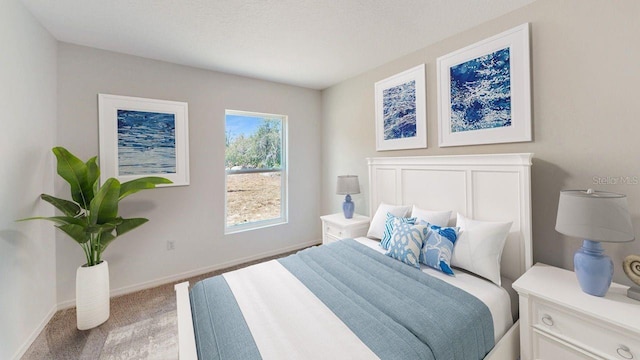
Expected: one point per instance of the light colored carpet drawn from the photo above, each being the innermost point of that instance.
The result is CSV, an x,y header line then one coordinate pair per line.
x,y
150,339
141,326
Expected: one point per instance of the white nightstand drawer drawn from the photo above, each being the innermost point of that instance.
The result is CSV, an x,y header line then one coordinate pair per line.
x,y
586,333
334,230
549,348
328,239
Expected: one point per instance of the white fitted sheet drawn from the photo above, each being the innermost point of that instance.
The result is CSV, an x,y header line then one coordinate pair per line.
x,y
495,297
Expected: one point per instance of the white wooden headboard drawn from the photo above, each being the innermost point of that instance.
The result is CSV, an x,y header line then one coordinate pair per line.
x,y
494,187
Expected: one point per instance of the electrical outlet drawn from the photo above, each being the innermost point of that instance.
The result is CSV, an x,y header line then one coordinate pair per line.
x,y
171,245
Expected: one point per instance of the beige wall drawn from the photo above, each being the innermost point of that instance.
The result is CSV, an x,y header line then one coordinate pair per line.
x,y
192,216
585,76
27,249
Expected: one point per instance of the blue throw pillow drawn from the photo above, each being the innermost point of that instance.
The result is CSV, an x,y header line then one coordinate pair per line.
x,y
438,247
391,222
406,243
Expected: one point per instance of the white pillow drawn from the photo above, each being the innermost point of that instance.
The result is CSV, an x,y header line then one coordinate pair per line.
x,y
479,247
439,218
376,228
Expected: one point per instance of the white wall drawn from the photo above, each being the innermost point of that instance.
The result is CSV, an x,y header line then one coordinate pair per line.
x,y
27,250
192,216
584,68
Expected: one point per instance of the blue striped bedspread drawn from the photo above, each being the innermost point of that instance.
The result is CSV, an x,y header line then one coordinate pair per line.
x,y
397,311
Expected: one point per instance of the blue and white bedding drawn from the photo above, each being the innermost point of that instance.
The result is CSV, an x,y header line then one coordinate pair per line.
x,y
502,301
344,300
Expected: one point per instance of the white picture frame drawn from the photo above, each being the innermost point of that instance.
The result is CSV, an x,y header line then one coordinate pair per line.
x,y
401,114
143,137
473,106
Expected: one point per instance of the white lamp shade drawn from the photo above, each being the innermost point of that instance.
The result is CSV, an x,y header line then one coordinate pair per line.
x,y
348,184
594,215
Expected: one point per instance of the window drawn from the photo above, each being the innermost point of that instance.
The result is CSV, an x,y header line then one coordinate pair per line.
x,y
256,170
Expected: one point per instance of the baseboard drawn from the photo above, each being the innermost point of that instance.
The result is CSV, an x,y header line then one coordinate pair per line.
x,y
34,334
173,278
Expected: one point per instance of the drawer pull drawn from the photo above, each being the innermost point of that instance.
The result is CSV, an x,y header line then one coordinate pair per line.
x,y
547,320
624,352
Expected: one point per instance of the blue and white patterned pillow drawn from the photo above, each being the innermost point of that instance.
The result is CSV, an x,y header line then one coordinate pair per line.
x,y
437,248
391,222
406,243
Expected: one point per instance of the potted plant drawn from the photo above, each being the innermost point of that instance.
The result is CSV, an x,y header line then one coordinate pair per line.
x,y
91,219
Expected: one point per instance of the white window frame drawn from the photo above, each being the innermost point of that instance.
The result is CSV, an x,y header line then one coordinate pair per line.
x,y
284,178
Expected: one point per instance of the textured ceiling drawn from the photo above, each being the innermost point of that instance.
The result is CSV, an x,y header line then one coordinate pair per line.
x,y
310,43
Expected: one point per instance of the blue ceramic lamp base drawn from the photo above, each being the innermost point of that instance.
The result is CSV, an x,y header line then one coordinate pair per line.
x,y
593,268
348,207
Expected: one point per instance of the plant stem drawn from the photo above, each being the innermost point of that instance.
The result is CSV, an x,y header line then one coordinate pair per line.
x,y
95,250
92,249
98,248
86,253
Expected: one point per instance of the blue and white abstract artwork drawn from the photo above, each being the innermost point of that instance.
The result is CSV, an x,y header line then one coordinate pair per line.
x,y
481,92
146,143
399,111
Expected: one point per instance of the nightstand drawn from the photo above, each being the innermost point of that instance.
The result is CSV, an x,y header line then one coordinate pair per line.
x,y
559,321
335,227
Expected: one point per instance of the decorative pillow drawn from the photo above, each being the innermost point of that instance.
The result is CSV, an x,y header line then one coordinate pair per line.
x,y
438,247
390,224
376,228
479,247
406,242
440,218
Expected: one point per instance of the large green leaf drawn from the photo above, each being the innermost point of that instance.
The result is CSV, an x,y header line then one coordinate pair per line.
x,y
125,226
93,175
104,206
148,182
129,224
101,228
105,240
75,172
62,220
76,232
69,208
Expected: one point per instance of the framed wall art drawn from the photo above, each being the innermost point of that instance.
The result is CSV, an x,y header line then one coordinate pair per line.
x,y
484,91
143,137
401,117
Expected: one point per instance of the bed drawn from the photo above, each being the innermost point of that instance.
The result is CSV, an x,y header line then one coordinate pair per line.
x,y
348,300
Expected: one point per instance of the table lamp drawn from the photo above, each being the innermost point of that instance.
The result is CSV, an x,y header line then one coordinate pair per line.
x,y
347,185
594,216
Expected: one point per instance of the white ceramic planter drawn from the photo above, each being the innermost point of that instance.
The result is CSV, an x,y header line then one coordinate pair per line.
x,y
92,295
